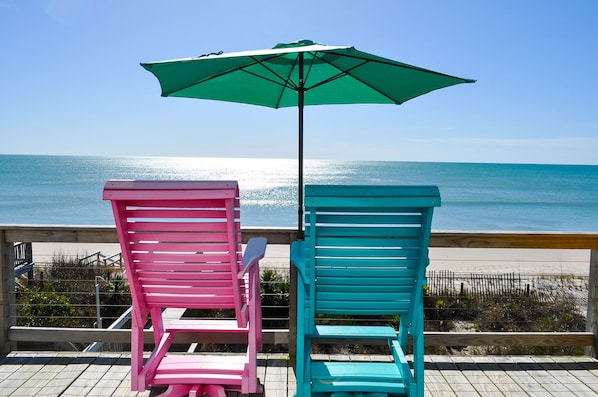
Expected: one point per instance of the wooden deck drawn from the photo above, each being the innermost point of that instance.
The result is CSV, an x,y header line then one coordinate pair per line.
x,y
107,374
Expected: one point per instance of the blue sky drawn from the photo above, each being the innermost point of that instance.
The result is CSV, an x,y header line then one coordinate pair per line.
x,y
72,83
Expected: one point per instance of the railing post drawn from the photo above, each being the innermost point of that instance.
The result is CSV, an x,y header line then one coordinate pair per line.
x,y
7,304
29,252
592,316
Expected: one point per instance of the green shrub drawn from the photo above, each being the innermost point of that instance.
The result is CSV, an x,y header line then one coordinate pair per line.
x,y
274,292
46,309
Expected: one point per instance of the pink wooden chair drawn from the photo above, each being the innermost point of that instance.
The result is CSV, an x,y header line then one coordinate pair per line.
x,y
181,244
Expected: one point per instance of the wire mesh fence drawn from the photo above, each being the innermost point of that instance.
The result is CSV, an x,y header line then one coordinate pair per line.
x,y
86,292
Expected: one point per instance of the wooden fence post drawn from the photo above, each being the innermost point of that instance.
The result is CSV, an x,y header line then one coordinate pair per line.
x,y
592,317
7,283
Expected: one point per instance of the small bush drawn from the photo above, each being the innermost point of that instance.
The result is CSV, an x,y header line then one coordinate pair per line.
x,y
46,309
68,282
274,299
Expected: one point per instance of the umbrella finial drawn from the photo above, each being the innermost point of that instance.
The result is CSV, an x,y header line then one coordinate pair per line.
x,y
299,43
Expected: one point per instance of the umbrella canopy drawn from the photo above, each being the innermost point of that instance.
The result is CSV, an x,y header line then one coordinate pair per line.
x,y
297,74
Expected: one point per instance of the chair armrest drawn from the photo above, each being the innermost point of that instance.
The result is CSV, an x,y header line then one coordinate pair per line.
x,y
255,250
401,362
298,259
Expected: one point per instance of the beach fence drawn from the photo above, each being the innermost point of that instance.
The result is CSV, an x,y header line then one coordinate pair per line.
x,y
479,286
451,284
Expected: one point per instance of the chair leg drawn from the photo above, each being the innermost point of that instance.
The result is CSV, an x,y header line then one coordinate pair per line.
x,y
193,391
176,391
357,394
196,391
213,391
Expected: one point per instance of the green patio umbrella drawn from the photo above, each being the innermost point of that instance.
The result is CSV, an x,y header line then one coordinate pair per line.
x,y
297,74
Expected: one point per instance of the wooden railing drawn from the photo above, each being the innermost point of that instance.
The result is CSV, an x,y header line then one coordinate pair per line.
x,y
10,334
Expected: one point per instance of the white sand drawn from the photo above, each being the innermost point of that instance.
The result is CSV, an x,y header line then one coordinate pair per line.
x,y
460,260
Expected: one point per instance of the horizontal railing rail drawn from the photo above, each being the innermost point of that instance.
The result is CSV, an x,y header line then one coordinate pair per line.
x,y
10,333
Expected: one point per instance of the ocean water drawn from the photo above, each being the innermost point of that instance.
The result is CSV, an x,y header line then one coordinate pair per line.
x,y
58,190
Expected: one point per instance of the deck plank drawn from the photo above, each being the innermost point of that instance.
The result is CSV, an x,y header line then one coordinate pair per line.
x,y
69,374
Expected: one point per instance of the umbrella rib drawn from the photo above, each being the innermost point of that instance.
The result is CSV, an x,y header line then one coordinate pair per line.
x,y
335,77
365,61
403,65
293,87
211,77
288,83
346,72
214,76
284,82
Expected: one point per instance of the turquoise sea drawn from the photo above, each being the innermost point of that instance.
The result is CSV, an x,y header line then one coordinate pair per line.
x,y
68,189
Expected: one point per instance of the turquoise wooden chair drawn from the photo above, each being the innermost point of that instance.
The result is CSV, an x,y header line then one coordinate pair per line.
x,y
181,245
365,254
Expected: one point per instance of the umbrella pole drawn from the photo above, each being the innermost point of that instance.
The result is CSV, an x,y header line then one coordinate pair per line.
x,y
300,104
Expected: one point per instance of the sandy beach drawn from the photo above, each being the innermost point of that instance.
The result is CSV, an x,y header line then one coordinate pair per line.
x,y
459,260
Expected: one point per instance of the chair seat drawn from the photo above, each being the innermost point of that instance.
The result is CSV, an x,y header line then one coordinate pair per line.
x,y
349,331
356,377
201,369
192,325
